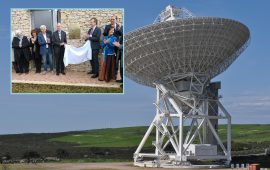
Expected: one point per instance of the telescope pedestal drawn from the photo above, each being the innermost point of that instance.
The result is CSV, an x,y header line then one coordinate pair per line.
x,y
181,125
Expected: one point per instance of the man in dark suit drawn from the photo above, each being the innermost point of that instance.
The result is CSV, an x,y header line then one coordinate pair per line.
x,y
94,36
118,30
44,40
59,39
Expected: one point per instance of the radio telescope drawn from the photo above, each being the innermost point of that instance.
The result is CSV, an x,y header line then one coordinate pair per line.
x,y
179,54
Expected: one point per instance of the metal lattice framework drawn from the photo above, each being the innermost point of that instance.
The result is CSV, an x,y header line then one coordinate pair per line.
x,y
172,13
168,125
178,55
206,46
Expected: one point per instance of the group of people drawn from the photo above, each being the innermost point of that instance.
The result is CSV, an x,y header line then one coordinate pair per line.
x,y
46,48
42,47
112,50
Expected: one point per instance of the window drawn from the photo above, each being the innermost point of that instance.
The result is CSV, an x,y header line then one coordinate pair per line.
x,y
44,17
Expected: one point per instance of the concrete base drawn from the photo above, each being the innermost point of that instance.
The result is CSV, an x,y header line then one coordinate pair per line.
x,y
170,164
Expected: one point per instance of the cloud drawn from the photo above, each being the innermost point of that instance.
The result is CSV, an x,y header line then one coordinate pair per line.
x,y
249,107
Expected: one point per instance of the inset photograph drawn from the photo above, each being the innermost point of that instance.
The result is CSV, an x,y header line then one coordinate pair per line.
x,y
67,50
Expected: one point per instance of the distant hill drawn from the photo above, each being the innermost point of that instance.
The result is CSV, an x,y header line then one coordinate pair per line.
x,y
131,136
117,143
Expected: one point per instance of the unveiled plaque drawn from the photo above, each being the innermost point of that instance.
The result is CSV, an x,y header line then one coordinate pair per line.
x,y
74,31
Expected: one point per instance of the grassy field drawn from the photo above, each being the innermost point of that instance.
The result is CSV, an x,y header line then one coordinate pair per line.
x,y
119,137
248,133
101,148
131,136
116,145
39,88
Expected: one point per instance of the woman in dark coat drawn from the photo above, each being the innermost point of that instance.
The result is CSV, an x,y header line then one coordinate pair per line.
x,y
20,44
14,62
35,50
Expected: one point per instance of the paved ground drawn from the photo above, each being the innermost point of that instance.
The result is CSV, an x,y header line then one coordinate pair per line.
x,y
71,78
82,166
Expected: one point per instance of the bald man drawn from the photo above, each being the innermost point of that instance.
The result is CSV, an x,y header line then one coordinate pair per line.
x,y
59,39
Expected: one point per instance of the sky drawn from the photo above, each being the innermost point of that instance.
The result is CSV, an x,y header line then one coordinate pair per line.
x,y
245,84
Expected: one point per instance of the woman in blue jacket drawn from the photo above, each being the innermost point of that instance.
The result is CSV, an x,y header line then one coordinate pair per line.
x,y
108,60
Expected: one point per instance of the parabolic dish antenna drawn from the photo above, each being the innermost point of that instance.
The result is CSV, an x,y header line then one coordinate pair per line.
x,y
183,45
179,54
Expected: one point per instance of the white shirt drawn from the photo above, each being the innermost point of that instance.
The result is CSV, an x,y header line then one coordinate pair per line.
x,y
59,33
45,37
93,29
20,42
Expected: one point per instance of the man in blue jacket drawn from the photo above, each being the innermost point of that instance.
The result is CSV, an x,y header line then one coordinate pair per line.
x,y
44,40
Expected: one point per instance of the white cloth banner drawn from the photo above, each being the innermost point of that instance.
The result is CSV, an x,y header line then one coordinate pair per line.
x,y
79,55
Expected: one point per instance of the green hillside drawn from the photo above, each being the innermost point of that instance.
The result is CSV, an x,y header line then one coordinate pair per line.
x,y
249,133
131,136
116,144
118,137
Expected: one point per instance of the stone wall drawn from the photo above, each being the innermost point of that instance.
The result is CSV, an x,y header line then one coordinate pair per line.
x,y
70,18
21,19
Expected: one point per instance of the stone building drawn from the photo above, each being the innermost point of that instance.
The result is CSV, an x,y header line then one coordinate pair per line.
x,y
75,22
